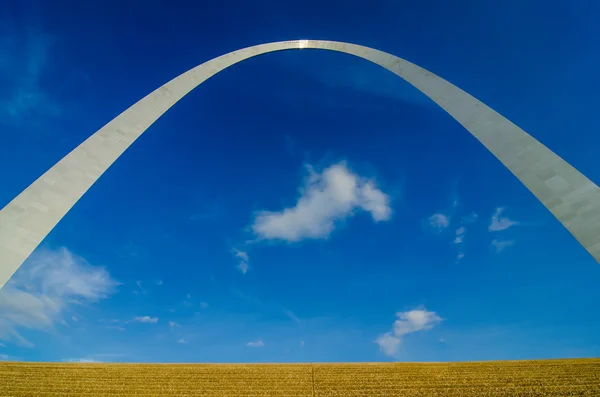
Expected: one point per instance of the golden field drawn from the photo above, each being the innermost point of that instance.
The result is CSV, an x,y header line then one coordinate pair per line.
x,y
579,377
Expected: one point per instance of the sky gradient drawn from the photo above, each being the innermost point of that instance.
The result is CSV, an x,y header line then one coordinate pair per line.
x,y
300,206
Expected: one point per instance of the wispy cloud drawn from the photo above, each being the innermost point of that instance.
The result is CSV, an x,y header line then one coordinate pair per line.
x,y
182,341
173,324
470,218
325,198
499,222
243,260
25,56
459,241
438,222
115,327
441,221
44,287
80,360
501,245
407,323
460,235
203,305
291,315
140,290
145,319
258,343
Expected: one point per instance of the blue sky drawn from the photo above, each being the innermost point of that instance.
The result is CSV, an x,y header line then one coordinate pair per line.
x,y
300,206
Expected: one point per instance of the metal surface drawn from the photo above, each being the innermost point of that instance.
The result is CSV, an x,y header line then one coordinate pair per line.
x,y
570,196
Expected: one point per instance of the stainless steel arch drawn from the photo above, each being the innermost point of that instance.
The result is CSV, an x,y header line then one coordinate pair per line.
x,y
569,195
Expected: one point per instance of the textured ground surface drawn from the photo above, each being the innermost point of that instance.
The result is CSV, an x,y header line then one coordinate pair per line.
x,y
503,378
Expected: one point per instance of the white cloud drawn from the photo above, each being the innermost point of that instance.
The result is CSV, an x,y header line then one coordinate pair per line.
x,y
408,322
500,245
243,260
243,267
499,222
44,287
173,324
115,327
459,240
438,222
203,305
301,343
325,199
159,282
240,254
388,343
258,343
80,360
146,319
471,218
460,235
182,341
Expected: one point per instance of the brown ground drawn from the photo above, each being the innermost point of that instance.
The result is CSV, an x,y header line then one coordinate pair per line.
x,y
501,378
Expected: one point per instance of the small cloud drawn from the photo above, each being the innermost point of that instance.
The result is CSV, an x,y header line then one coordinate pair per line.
x,y
407,323
73,318
159,282
499,222
459,256
146,319
460,235
258,343
325,199
243,267
291,315
442,340
173,324
243,260
240,254
140,290
115,327
80,360
471,218
203,305
438,222
301,343
2,345
499,245
182,341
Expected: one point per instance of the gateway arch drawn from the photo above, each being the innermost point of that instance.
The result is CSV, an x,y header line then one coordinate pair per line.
x,y
571,197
